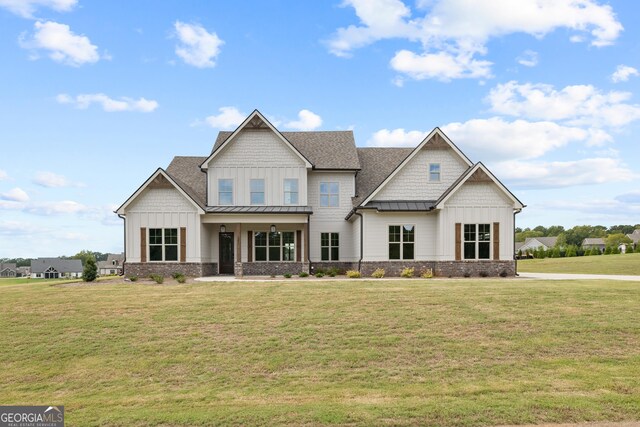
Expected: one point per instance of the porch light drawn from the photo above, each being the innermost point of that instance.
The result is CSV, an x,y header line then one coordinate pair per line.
x,y
273,228
223,228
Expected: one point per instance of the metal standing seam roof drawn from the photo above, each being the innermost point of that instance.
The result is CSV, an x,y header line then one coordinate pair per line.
x,y
401,205
260,209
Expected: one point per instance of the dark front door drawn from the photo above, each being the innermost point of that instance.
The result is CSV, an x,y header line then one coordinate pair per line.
x,y
226,253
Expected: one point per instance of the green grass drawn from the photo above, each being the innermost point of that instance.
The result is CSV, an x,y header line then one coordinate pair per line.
x,y
27,280
357,352
625,264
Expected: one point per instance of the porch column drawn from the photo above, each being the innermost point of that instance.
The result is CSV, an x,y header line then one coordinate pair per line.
x,y
237,268
305,256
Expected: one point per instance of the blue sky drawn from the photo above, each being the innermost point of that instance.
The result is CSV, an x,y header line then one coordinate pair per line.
x,y
96,95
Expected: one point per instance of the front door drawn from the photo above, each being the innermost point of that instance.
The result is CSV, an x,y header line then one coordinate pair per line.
x,y
226,253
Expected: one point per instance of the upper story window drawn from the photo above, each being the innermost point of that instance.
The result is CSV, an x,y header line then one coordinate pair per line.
x,y
290,191
257,191
329,194
225,191
434,171
477,241
401,241
163,244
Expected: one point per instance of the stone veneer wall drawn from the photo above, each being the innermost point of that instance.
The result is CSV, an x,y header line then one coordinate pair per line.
x,y
166,269
272,268
443,268
326,265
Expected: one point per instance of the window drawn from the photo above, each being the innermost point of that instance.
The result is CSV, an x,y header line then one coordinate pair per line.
x,y
329,246
290,191
257,191
434,171
279,246
163,244
401,241
225,191
477,241
329,192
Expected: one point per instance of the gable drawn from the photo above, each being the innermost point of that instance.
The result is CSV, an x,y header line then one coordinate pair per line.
x,y
479,194
256,147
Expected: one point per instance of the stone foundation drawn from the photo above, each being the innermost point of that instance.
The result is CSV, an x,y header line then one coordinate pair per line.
x,y
342,267
443,268
273,268
166,269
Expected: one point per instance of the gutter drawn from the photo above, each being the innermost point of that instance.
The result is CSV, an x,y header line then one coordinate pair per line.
x,y
361,239
515,255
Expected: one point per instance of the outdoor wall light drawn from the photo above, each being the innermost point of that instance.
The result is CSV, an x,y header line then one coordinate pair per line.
x,y
273,228
223,229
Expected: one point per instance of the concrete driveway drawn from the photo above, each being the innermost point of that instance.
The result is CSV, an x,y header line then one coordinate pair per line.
x,y
560,276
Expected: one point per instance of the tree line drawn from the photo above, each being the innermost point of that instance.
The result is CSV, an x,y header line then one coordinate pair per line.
x,y
83,256
574,236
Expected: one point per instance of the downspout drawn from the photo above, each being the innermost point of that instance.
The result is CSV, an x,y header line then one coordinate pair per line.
x,y
124,261
515,256
361,238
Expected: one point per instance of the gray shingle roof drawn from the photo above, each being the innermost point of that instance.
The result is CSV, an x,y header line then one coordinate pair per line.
x,y
40,265
260,209
8,265
376,165
324,149
635,236
187,174
593,241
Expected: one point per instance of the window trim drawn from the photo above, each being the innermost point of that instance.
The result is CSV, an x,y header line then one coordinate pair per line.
x,y
329,194
284,192
401,242
232,185
164,244
330,247
439,172
477,242
264,192
267,247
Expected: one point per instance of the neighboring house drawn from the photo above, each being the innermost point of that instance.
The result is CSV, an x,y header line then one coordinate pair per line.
x,y
593,242
532,243
113,265
23,271
268,202
8,269
635,237
54,268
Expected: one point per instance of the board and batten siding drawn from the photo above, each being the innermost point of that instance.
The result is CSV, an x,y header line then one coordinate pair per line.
x,y
412,181
162,208
332,219
257,154
376,234
475,203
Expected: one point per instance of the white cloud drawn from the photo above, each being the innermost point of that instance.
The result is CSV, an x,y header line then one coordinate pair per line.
x,y
53,180
55,208
62,44
563,173
3,175
529,58
623,72
26,8
632,197
197,46
15,195
83,101
452,32
396,138
498,139
307,120
578,105
17,228
229,117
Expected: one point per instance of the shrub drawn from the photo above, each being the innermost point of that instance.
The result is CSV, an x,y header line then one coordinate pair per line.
x,y
615,250
407,272
465,274
158,278
287,275
320,270
503,273
638,248
378,273
303,274
90,271
133,278
180,278
332,272
176,275
319,274
608,250
353,274
427,274
483,274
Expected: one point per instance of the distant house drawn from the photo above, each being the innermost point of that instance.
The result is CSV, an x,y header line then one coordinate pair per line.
x,y
23,271
532,243
55,268
8,269
635,237
593,242
113,265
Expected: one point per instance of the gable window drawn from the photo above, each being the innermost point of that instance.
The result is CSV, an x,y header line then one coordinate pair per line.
x,y
477,241
329,246
163,244
279,246
257,191
434,171
225,191
329,194
290,191
401,241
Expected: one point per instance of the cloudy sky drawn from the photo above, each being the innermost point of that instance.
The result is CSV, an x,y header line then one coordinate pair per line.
x,y
95,95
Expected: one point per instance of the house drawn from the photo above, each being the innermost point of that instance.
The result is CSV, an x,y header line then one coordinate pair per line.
x,y
113,265
8,269
593,242
23,271
266,202
54,268
532,243
635,237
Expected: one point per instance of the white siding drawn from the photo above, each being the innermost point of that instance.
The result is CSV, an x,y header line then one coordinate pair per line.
x,y
332,219
257,154
412,181
162,208
376,234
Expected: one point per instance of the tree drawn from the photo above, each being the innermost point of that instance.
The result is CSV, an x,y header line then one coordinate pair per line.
x,y
571,251
608,250
555,230
615,240
90,271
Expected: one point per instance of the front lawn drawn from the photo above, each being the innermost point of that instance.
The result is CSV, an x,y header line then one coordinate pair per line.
x,y
625,264
359,352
